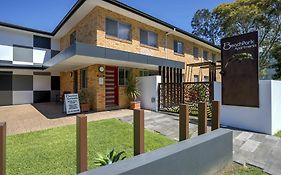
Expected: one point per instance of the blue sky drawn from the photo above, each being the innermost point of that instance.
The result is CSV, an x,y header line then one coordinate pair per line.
x,y
46,14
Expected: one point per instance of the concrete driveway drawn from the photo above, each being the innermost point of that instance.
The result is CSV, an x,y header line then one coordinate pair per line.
x,y
27,118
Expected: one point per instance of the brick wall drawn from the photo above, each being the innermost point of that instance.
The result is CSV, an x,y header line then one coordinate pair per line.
x,y
91,30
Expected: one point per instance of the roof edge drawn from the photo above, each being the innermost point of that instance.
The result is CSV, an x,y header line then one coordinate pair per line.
x,y
117,3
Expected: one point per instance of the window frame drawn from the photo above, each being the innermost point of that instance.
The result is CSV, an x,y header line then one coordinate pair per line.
x,y
206,77
197,77
207,55
193,51
72,38
147,44
214,57
85,80
118,23
124,74
176,42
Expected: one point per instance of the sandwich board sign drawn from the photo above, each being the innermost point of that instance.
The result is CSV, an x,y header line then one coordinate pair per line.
x,y
240,82
71,104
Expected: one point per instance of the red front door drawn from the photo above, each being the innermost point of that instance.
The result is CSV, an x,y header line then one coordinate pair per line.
x,y
111,86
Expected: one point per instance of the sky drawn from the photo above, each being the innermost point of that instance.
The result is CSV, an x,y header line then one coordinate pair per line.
x,y
45,15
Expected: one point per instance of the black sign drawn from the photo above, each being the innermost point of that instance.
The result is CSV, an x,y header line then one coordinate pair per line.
x,y
240,84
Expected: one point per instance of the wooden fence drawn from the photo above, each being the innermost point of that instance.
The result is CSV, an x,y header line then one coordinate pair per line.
x,y
81,133
171,95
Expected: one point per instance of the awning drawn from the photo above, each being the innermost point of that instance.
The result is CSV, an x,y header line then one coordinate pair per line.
x,y
80,55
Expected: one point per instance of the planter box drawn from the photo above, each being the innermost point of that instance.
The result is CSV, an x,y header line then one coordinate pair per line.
x,y
85,107
135,105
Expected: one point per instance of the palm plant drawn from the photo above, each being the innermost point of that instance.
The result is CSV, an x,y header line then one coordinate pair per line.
x,y
109,158
132,90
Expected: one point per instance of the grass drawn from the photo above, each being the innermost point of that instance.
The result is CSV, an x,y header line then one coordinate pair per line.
x,y
236,169
53,151
278,134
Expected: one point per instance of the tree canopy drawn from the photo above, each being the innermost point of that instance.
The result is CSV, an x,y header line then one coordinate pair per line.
x,y
239,17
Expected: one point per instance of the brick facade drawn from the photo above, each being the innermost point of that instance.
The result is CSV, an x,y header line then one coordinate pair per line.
x,y
91,30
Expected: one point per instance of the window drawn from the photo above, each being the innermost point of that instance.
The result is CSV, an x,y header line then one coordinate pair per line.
x,y
196,52
118,29
205,55
144,73
214,59
123,74
148,38
72,37
206,78
196,78
178,47
84,78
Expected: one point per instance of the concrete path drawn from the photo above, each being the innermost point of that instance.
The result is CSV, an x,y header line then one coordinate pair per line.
x,y
259,150
27,118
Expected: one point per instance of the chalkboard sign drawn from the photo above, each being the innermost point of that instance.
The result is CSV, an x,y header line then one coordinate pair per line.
x,y
71,103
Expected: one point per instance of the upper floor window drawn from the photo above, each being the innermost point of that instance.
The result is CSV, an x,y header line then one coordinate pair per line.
x,y
72,37
118,29
148,38
196,52
214,59
178,47
205,55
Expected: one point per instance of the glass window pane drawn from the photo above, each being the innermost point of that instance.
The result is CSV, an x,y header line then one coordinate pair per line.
x,y
176,46
111,27
124,31
143,37
180,47
214,57
205,55
83,76
195,52
127,72
206,78
121,76
152,39
72,37
196,78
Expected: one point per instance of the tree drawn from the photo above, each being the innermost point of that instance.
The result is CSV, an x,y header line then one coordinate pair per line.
x,y
205,25
243,16
276,54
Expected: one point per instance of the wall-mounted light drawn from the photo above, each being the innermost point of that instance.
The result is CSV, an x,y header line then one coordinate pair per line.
x,y
71,73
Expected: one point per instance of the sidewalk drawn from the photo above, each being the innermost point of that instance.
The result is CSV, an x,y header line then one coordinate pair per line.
x,y
260,150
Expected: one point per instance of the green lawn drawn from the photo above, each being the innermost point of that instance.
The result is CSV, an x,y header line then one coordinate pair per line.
x,y
53,151
278,134
236,169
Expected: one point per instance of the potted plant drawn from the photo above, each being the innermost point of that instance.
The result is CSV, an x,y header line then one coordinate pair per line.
x,y
84,98
133,92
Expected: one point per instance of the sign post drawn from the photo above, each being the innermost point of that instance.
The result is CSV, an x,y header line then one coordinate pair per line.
x,y
71,104
240,82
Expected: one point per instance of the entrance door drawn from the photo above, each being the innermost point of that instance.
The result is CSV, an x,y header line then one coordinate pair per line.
x,y
111,86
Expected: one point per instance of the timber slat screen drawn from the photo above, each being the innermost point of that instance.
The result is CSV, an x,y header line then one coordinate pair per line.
x,y
171,95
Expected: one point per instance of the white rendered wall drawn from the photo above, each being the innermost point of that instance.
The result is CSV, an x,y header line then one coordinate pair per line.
x,y
148,87
265,119
276,106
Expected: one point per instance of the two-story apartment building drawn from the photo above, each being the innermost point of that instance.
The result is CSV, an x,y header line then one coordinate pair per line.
x,y
96,46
